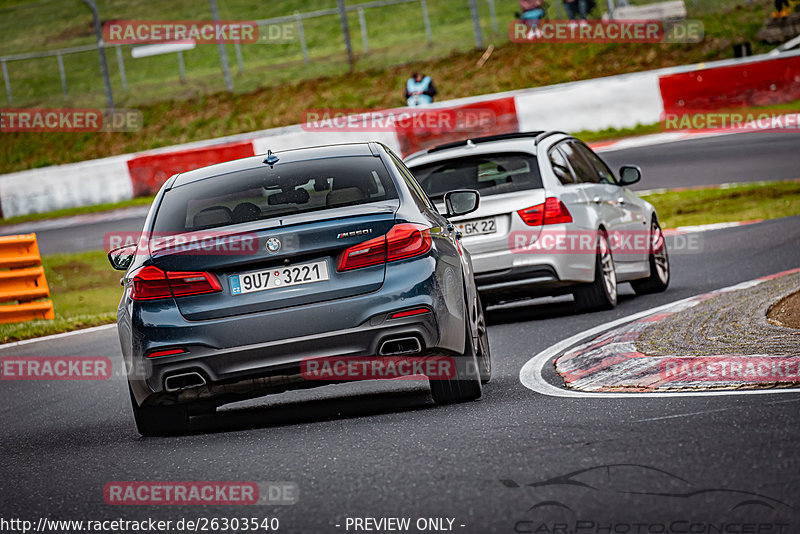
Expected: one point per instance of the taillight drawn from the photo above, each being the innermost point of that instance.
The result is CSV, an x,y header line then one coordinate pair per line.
x,y
152,283
532,216
406,241
371,252
553,211
402,241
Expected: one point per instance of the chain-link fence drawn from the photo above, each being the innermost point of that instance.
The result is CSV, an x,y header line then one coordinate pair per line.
x,y
49,54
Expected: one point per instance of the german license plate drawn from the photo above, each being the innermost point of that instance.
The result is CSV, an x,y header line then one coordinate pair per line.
x,y
478,227
293,275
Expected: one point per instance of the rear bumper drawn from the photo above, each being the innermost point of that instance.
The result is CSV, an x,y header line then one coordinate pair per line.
x,y
259,353
257,369
504,275
500,259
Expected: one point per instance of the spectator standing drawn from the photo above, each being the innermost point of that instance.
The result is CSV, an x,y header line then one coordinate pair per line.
x,y
532,13
419,90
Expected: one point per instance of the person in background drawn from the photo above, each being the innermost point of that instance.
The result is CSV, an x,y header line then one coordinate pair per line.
x,y
532,13
577,9
419,90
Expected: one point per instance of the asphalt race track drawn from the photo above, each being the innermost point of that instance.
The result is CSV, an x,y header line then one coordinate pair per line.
x,y
383,450
744,157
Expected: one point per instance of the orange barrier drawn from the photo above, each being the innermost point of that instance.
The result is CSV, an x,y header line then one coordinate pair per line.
x,y
22,281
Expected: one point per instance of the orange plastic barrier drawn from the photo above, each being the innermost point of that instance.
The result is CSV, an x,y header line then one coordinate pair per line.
x,y
22,281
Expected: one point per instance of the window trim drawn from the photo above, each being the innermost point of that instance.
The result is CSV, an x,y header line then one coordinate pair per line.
x,y
556,147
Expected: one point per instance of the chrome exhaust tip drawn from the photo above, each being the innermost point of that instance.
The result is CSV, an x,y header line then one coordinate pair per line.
x,y
400,346
182,381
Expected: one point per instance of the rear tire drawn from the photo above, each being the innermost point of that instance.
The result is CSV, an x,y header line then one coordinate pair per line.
x,y
658,280
159,420
602,293
466,384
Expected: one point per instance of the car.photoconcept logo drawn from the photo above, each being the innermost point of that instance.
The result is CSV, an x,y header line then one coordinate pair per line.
x,y
273,244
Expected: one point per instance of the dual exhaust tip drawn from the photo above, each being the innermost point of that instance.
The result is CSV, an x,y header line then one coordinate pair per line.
x,y
392,347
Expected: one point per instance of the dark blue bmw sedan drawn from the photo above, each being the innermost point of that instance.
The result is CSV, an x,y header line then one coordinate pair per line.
x,y
291,270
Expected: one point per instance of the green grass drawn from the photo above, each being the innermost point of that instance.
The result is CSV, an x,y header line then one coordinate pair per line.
x,y
739,203
85,292
269,94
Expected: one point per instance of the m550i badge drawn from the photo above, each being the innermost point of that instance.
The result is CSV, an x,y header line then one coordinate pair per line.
x,y
273,244
365,231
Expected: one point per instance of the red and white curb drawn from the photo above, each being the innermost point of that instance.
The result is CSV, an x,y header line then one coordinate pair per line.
x,y
616,341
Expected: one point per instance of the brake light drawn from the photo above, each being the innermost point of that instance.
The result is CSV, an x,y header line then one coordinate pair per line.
x,y
151,283
403,241
409,313
370,252
167,352
553,211
406,241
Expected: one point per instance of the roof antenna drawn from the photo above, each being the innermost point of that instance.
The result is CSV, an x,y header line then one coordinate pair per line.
x,y
470,143
272,159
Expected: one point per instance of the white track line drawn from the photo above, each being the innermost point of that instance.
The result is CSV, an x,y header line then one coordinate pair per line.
x,y
531,373
58,336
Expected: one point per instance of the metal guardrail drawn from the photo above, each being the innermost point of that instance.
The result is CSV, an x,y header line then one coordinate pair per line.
x,y
22,281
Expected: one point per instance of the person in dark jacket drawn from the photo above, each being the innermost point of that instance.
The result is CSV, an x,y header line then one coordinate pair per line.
x,y
419,90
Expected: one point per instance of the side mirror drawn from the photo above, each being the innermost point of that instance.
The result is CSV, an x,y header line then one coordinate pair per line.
x,y
629,174
122,257
461,202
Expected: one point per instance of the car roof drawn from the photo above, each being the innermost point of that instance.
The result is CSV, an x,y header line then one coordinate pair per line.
x,y
284,156
491,144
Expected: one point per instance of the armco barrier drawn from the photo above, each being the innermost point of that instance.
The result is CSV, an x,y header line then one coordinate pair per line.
x,y
621,101
149,172
501,115
22,280
759,83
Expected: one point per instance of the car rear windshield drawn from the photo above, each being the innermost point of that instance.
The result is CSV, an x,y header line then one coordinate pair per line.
x,y
265,193
490,174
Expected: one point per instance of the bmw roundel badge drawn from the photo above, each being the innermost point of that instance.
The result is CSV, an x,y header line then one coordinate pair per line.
x,y
273,244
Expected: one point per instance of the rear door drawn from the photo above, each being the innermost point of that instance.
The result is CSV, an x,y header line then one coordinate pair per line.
x,y
632,223
598,196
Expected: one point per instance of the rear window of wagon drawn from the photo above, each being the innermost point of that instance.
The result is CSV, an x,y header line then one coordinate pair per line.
x,y
490,174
